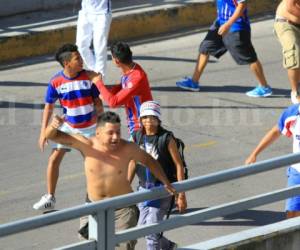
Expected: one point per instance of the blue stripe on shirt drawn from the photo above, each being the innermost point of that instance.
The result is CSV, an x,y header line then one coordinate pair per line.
x,y
75,94
79,118
137,103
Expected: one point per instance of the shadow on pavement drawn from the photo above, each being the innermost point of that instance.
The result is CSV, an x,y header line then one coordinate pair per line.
x,y
22,84
22,105
222,88
244,218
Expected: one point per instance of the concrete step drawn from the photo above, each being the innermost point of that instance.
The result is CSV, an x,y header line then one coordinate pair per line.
x,y
42,32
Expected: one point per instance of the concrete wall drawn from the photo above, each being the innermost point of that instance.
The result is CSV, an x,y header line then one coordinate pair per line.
x,y
284,235
284,241
12,7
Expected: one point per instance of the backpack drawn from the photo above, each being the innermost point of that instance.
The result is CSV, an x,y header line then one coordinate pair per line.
x,y
170,169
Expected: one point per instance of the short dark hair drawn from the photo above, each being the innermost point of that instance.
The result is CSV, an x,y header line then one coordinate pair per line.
x,y
108,116
64,53
122,52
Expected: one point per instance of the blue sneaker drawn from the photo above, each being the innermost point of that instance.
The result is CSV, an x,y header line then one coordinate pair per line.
x,y
188,83
260,91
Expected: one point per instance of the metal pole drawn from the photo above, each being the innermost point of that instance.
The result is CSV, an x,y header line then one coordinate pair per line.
x,y
97,229
110,233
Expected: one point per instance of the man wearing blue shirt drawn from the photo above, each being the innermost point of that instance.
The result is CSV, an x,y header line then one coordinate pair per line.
x,y
230,31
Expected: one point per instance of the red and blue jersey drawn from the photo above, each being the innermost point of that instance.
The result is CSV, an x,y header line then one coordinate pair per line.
x,y
289,125
226,8
76,98
132,91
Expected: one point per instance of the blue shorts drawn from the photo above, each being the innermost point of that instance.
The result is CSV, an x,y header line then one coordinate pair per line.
x,y
87,132
293,203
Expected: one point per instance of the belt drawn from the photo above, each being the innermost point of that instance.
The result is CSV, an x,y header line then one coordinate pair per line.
x,y
283,20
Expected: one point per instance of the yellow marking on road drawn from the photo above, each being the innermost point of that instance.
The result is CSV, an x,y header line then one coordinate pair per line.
x,y
201,145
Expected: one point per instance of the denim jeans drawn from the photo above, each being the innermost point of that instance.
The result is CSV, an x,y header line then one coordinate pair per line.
x,y
149,215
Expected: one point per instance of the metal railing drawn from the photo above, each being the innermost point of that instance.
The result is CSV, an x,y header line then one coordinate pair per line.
x,y
102,228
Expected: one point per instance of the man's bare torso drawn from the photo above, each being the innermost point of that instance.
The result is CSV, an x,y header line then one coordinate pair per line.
x,y
283,12
106,172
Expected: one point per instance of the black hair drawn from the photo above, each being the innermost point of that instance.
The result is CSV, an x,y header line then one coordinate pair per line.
x,y
122,52
64,53
108,116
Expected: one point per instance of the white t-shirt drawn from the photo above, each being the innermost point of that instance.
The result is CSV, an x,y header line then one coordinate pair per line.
x,y
96,6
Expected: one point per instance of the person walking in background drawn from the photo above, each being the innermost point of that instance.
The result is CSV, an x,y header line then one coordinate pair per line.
x,y
79,99
161,145
288,125
287,30
93,26
133,89
230,31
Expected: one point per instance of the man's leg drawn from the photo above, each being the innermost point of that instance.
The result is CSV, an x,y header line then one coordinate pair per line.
x,y
292,206
200,66
53,169
242,51
165,206
257,70
211,45
84,36
288,36
101,30
294,79
126,218
47,202
153,240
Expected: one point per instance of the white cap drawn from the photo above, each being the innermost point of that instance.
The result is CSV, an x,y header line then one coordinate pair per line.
x,y
150,108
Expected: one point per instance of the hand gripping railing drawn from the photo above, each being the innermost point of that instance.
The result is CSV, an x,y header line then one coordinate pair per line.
x,y
102,229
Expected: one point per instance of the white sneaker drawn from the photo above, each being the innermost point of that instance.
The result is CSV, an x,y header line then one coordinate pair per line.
x,y
46,203
294,97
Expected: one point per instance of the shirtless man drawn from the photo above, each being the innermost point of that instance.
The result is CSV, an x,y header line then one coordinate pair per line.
x,y
106,159
287,29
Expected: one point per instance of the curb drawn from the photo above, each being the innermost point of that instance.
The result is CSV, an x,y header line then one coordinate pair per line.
x,y
143,25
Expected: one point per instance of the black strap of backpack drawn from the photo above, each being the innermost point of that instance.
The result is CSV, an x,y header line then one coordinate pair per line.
x,y
138,137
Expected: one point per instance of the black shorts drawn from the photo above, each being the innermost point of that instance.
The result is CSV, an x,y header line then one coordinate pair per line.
x,y
238,43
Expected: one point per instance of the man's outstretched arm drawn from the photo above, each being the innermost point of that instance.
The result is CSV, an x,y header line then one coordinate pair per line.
x,y
271,136
72,140
141,156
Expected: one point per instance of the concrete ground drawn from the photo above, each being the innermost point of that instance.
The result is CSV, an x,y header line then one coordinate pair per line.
x,y
220,126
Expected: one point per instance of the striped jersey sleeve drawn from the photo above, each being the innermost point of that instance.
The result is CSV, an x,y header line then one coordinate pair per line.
x,y
288,119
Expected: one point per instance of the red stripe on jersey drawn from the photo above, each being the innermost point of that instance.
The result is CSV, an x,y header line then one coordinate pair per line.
x,y
235,2
83,76
60,79
288,126
76,102
84,124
